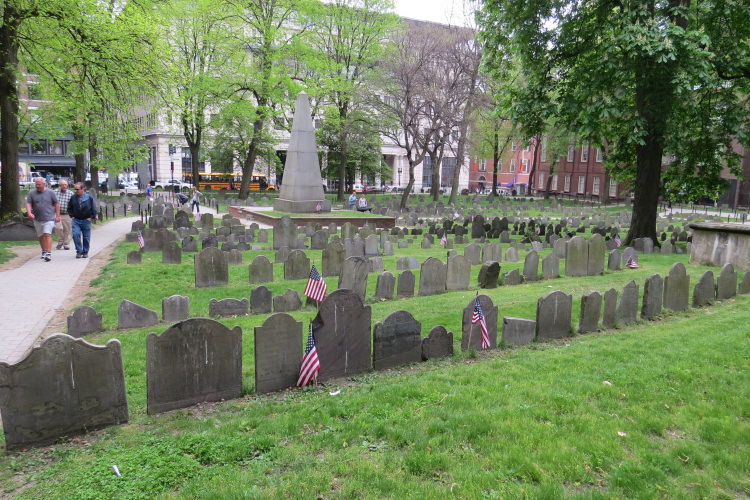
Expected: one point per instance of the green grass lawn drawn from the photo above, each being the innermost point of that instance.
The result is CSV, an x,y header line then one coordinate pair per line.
x,y
657,409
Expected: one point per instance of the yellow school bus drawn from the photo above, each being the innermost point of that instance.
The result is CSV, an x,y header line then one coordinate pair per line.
x,y
221,180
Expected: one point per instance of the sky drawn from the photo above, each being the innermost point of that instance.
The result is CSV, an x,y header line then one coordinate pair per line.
x,y
439,11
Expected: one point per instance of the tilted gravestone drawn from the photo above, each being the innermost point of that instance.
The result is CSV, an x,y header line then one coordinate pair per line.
x,y
132,315
260,270
551,266
192,361
432,277
333,259
458,273
354,276
175,308
577,256
627,308
64,387
513,277
375,265
471,334
297,266
597,250
677,288
610,309
385,286
531,266
518,331
134,257
278,353
396,341
591,307
553,314
83,321
342,335
488,275
653,290
405,287
726,283
289,301
260,300
211,268
704,292
226,308
438,344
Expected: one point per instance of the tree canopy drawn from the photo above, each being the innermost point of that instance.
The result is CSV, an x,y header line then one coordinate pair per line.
x,y
650,78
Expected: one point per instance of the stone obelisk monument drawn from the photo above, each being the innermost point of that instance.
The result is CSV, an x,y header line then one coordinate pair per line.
x,y
302,186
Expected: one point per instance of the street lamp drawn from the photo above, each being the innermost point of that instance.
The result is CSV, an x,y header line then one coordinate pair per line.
x,y
399,176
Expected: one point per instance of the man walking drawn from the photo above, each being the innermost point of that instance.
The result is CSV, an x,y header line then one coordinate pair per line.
x,y
64,227
44,209
82,209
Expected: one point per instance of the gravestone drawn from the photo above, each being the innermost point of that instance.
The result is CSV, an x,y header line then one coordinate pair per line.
x,y
677,288
342,335
492,252
354,276
260,270
319,240
211,268
234,257
518,331
438,344
297,266
288,302
704,292
278,353
396,341
281,255
83,321
726,283
134,257
627,308
745,284
531,266
171,253
405,287
629,253
371,245
471,252
614,260
132,315
192,361
488,275
175,308
226,308
458,273
385,286
260,300
609,315
61,388
432,277
285,234
471,334
553,314
511,255
666,248
597,250
591,307
333,259
551,266
560,248
189,244
577,256
511,278
653,290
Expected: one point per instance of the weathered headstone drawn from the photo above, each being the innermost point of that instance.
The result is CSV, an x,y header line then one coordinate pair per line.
x,y
134,257
278,353
744,287
132,315
512,277
175,308
297,266
438,344
492,252
653,290
531,266
260,270
627,308
333,259
192,361
609,315
385,286
432,277
226,308
614,260
354,276
471,252
577,255
405,287
511,255
288,302
488,275
396,341
284,234
260,300
458,273
553,314
726,283
704,292
518,331
551,266
83,321
64,387
211,268
677,288
591,307
597,249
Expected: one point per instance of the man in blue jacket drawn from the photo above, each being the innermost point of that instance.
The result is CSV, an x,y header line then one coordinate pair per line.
x,y
82,209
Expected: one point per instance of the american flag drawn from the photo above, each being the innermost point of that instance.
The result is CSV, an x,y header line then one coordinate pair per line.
x,y
618,241
444,240
632,263
478,317
316,288
141,242
310,362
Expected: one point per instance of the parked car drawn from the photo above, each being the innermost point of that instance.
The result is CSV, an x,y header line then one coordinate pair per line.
x,y
172,183
358,188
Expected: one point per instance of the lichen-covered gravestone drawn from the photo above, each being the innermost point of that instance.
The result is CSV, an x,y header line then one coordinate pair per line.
x,y
132,315
278,353
83,321
438,344
211,268
627,308
432,277
175,308
591,306
653,290
396,341
553,314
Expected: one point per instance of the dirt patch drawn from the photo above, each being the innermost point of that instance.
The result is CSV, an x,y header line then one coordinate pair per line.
x,y
24,253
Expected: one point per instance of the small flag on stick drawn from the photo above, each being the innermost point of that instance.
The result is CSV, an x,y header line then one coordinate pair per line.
x,y
444,241
632,263
478,317
141,242
310,362
618,241
316,288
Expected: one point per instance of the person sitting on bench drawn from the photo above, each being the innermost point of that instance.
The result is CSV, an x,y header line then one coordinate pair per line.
x,y
362,207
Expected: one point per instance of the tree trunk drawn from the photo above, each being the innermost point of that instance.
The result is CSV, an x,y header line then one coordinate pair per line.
x,y
495,160
249,164
10,202
342,173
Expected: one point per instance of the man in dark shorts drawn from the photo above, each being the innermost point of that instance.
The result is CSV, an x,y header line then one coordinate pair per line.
x,y
44,209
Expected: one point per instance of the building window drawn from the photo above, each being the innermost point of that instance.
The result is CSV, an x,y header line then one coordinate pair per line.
x,y
567,183
581,183
541,180
599,154
524,166
57,148
585,153
612,188
571,152
513,145
527,149
447,170
483,165
554,183
39,147
513,165
595,187
427,172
